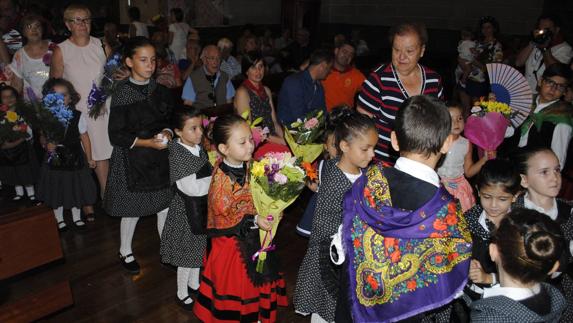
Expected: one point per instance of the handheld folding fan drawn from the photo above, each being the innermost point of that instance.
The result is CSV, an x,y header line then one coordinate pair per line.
x,y
511,87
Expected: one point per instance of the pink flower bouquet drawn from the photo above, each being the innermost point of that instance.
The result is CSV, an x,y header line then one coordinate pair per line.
x,y
304,136
487,125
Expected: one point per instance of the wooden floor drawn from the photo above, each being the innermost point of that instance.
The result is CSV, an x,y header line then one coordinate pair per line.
x,y
103,292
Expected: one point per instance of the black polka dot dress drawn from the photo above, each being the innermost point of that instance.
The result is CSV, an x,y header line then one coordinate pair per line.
x,y
179,245
317,284
138,111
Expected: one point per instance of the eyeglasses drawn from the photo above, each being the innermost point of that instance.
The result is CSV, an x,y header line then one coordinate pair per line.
x,y
213,58
561,87
33,26
79,21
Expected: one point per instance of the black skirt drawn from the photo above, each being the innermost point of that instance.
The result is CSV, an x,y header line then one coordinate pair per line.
x,y
67,188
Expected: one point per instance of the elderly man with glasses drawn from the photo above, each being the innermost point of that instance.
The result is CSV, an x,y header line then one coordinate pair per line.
x,y
208,86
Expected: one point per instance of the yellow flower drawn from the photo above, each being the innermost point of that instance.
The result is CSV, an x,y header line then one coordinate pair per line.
x,y
258,169
11,116
492,106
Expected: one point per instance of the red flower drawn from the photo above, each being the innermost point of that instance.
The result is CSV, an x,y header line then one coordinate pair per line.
x,y
451,219
4,107
395,256
310,171
439,259
389,242
453,256
435,235
373,283
440,225
452,208
368,196
357,243
411,285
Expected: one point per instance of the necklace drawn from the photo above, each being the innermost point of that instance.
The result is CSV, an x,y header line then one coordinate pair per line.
x,y
401,86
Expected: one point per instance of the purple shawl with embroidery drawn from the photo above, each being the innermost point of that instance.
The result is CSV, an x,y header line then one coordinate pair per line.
x,y
402,263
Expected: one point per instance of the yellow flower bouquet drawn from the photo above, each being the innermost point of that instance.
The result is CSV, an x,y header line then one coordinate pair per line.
x,y
276,182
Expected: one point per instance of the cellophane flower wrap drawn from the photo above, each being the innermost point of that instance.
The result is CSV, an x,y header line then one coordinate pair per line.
x,y
487,124
12,125
276,182
260,134
99,93
304,136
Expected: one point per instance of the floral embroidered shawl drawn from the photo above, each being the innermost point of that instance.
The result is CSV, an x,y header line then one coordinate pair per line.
x,y
228,202
402,263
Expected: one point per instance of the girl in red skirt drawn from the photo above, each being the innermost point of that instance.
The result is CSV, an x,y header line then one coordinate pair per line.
x,y
231,289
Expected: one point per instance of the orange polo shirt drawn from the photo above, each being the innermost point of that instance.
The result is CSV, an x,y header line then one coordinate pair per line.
x,y
341,87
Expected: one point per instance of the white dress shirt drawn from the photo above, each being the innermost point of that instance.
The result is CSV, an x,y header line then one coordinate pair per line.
x,y
190,185
561,135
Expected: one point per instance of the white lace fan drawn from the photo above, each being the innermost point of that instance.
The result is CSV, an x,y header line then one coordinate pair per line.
x,y
511,87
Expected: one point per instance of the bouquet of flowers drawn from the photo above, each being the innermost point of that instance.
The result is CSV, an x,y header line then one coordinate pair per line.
x,y
260,134
303,135
487,125
276,182
53,118
12,126
99,94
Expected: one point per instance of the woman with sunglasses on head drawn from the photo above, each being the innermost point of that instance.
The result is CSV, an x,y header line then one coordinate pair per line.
x,y
80,59
550,121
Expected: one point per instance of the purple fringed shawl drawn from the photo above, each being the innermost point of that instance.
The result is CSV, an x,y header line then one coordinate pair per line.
x,y
402,263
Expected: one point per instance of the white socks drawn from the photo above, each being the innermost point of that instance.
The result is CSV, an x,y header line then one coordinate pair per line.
x,y
161,217
187,277
30,191
19,190
126,231
194,278
76,214
182,280
59,214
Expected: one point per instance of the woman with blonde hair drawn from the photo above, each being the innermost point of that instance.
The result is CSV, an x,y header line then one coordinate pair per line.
x,y
80,59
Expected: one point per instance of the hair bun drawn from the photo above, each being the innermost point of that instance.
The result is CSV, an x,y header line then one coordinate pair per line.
x,y
541,245
339,114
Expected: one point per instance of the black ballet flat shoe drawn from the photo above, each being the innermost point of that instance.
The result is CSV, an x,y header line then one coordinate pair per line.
x,y
192,291
187,307
80,225
34,201
131,267
62,226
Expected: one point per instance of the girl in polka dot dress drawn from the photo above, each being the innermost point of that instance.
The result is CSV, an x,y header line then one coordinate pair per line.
x,y
317,287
